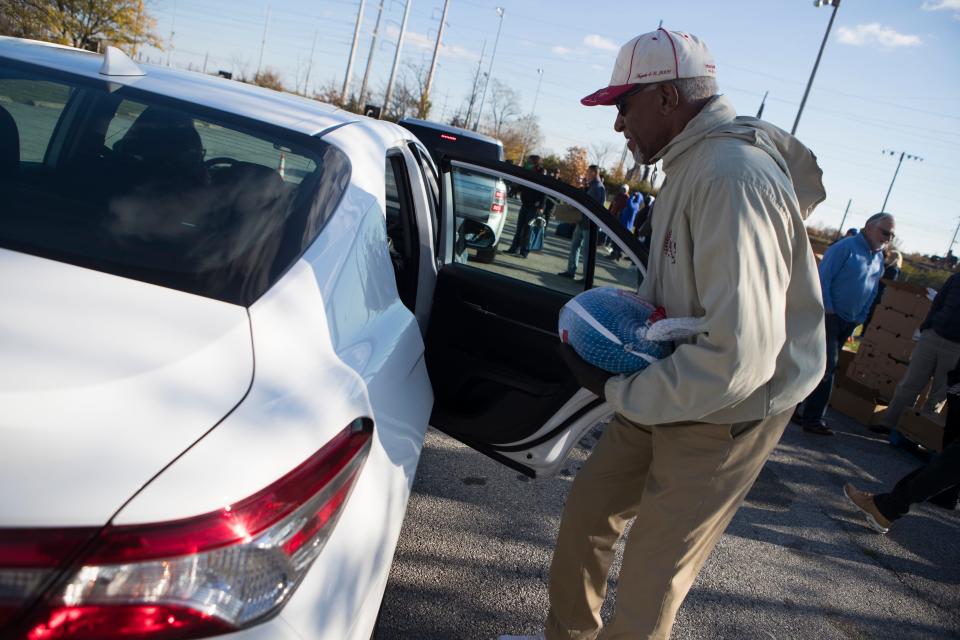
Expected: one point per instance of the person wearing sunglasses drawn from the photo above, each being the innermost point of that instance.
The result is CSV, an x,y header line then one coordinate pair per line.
x,y
850,275
691,432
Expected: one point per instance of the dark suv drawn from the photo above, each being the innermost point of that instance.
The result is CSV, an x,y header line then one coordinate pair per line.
x,y
481,200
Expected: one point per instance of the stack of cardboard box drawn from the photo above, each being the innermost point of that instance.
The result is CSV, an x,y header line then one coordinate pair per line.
x,y
886,346
868,383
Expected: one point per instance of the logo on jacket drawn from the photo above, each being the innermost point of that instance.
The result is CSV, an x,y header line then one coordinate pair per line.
x,y
670,246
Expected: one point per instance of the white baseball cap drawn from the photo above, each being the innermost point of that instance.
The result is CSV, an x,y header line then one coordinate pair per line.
x,y
654,57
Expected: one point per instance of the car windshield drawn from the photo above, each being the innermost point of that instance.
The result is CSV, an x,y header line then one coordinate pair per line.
x,y
135,185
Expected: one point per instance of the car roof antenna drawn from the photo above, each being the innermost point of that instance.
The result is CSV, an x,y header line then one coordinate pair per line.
x,y
117,63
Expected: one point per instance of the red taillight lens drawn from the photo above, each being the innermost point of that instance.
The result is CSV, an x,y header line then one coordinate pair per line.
x,y
496,208
498,195
125,621
212,573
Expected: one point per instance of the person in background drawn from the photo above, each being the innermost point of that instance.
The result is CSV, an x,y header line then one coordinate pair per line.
x,y
578,243
893,263
936,353
851,233
937,482
692,431
627,216
849,278
531,204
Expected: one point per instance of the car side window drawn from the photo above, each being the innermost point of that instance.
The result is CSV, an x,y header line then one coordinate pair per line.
x,y
401,224
34,106
432,181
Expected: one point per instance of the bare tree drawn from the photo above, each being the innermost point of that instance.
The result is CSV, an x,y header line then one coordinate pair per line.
x,y
600,151
504,107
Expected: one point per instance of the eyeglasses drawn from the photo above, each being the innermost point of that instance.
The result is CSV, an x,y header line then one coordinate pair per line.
x,y
622,101
888,235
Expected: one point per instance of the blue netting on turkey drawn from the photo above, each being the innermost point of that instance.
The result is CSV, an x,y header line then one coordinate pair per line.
x,y
607,328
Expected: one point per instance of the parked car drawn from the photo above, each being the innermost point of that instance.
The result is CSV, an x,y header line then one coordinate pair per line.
x,y
481,199
223,308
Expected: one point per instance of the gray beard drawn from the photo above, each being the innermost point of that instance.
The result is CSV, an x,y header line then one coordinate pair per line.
x,y
638,157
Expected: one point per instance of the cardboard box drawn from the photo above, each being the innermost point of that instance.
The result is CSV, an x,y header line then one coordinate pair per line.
x,y
844,381
885,387
892,368
894,322
844,359
908,299
896,346
865,376
921,429
864,411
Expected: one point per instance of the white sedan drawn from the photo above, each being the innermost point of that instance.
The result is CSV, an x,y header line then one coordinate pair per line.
x,y
218,338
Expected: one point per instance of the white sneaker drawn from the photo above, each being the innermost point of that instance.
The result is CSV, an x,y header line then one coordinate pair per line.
x,y
539,636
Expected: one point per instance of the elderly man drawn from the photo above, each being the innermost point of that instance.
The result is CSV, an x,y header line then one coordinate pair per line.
x,y
850,274
692,431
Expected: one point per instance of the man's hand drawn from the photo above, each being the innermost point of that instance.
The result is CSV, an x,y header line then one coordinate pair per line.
x,y
588,376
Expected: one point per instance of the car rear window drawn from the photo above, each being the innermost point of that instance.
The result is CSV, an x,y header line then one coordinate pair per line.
x,y
440,141
139,186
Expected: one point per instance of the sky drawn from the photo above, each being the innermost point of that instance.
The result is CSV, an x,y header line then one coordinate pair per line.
x,y
888,79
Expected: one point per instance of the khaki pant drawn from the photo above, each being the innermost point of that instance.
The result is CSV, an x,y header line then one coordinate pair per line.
x,y
683,483
932,357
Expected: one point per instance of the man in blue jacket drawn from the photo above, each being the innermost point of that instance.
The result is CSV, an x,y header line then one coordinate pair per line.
x,y
849,276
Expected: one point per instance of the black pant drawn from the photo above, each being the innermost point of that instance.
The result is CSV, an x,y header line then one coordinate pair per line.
x,y
521,237
939,480
837,330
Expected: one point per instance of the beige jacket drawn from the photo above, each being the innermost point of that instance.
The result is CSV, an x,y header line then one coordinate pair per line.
x,y
729,247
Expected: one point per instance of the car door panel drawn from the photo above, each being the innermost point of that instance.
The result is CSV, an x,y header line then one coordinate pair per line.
x,y
500,385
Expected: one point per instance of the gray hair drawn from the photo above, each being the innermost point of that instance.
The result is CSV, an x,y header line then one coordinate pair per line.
x,y
693,89
877,218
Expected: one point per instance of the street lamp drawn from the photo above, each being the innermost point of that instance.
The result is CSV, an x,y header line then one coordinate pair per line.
x,y
817,3
903,154
483,96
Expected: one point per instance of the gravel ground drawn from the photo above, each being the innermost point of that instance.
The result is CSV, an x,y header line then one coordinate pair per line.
x,y
795,562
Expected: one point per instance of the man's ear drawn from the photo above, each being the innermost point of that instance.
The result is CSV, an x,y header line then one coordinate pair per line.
x,y
668,98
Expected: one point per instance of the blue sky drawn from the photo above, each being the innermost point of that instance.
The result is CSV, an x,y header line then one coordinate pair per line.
x,y
888,79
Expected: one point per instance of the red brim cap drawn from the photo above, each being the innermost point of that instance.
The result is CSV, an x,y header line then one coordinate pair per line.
x,y
606,96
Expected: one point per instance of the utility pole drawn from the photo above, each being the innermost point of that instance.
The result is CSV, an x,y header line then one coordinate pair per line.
x,y
173,23
762,103
373,47
263,41
206,56
818,3
344,97
903,154
436,51
844,219
136,34
306,81
396,56
954,240
533,111
473,92
493,55
623,158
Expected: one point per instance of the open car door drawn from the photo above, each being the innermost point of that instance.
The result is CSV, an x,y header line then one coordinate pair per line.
x,y
500,385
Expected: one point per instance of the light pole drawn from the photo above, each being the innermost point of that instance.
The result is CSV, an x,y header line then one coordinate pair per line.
x,y
817,3
533,111
953,240
903,154
483,96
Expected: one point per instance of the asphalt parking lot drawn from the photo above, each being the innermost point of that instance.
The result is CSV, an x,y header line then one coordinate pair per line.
x,y
795,562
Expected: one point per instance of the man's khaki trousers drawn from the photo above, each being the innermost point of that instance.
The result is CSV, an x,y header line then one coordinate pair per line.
x,y
683,482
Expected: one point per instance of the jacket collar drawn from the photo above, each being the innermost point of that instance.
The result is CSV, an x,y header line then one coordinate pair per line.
x,y
719,111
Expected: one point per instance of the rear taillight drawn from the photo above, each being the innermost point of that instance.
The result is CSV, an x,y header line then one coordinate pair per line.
x,y
498,195
496,208
213,573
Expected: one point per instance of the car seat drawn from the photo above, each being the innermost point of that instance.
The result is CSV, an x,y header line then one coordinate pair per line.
x,y
162,146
